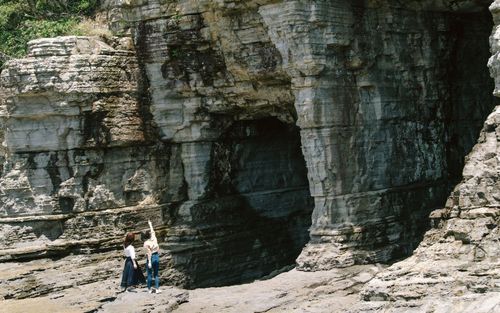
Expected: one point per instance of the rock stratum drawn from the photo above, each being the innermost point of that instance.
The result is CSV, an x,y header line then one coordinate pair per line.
x,y
256,133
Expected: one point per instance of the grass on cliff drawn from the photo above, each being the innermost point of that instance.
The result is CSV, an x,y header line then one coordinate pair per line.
x,y
25,20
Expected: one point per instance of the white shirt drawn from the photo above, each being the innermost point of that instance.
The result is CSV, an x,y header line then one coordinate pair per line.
x,y
152,243
130,251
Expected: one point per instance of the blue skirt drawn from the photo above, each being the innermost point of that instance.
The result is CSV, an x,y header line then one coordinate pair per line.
x,y
131,276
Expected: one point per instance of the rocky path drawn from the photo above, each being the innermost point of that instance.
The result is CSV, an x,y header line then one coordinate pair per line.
x,y
293,291
90,284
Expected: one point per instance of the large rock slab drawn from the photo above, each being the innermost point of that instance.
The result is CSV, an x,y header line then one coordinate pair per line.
x,y
90,283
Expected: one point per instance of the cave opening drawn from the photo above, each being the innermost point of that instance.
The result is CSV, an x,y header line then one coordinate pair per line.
x,y
255,220
453,101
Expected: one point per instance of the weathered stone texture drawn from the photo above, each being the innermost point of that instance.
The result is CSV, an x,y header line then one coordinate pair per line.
x,y
190,119
63,81
378,92
202,59
186,132
216,86
459,258
71,116
381,117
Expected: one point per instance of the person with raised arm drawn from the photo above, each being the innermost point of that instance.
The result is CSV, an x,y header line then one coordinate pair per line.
x,y
153,258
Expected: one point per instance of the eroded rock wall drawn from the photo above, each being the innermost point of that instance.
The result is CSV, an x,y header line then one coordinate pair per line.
x,y
459,257
381,102
212,70
102,139
79,167
379,89
220,119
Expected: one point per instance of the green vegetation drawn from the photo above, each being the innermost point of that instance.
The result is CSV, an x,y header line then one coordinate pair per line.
x,y
24,20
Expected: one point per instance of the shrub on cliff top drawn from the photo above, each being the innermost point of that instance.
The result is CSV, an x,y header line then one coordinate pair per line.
x,y
24,20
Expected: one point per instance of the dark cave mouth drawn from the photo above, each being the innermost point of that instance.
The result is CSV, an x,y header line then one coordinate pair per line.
x,y
258,218
470,98
468,103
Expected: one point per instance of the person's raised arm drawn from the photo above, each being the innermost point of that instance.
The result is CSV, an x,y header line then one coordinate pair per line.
x,y
153,235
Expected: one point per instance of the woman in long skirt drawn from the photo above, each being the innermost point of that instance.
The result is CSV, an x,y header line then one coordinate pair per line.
x,y
131,272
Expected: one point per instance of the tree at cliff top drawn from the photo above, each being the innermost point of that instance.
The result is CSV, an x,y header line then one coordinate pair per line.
x,y
24,20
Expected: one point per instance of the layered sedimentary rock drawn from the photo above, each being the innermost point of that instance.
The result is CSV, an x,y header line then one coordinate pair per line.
x,y
99,139
459,258
219,120
385,115
77,156
384,110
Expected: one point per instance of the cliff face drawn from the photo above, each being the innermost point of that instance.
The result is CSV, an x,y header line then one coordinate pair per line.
x,y
384,114
75,146
458,258
231,123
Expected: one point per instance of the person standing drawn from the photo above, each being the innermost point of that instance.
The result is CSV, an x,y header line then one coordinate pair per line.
x,y
153,258
129,275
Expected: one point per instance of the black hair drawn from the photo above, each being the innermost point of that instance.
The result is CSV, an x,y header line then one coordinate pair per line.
x,y
146,235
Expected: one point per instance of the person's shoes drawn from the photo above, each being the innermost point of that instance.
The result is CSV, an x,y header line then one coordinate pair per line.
x,y
150,291
131,289
158,290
